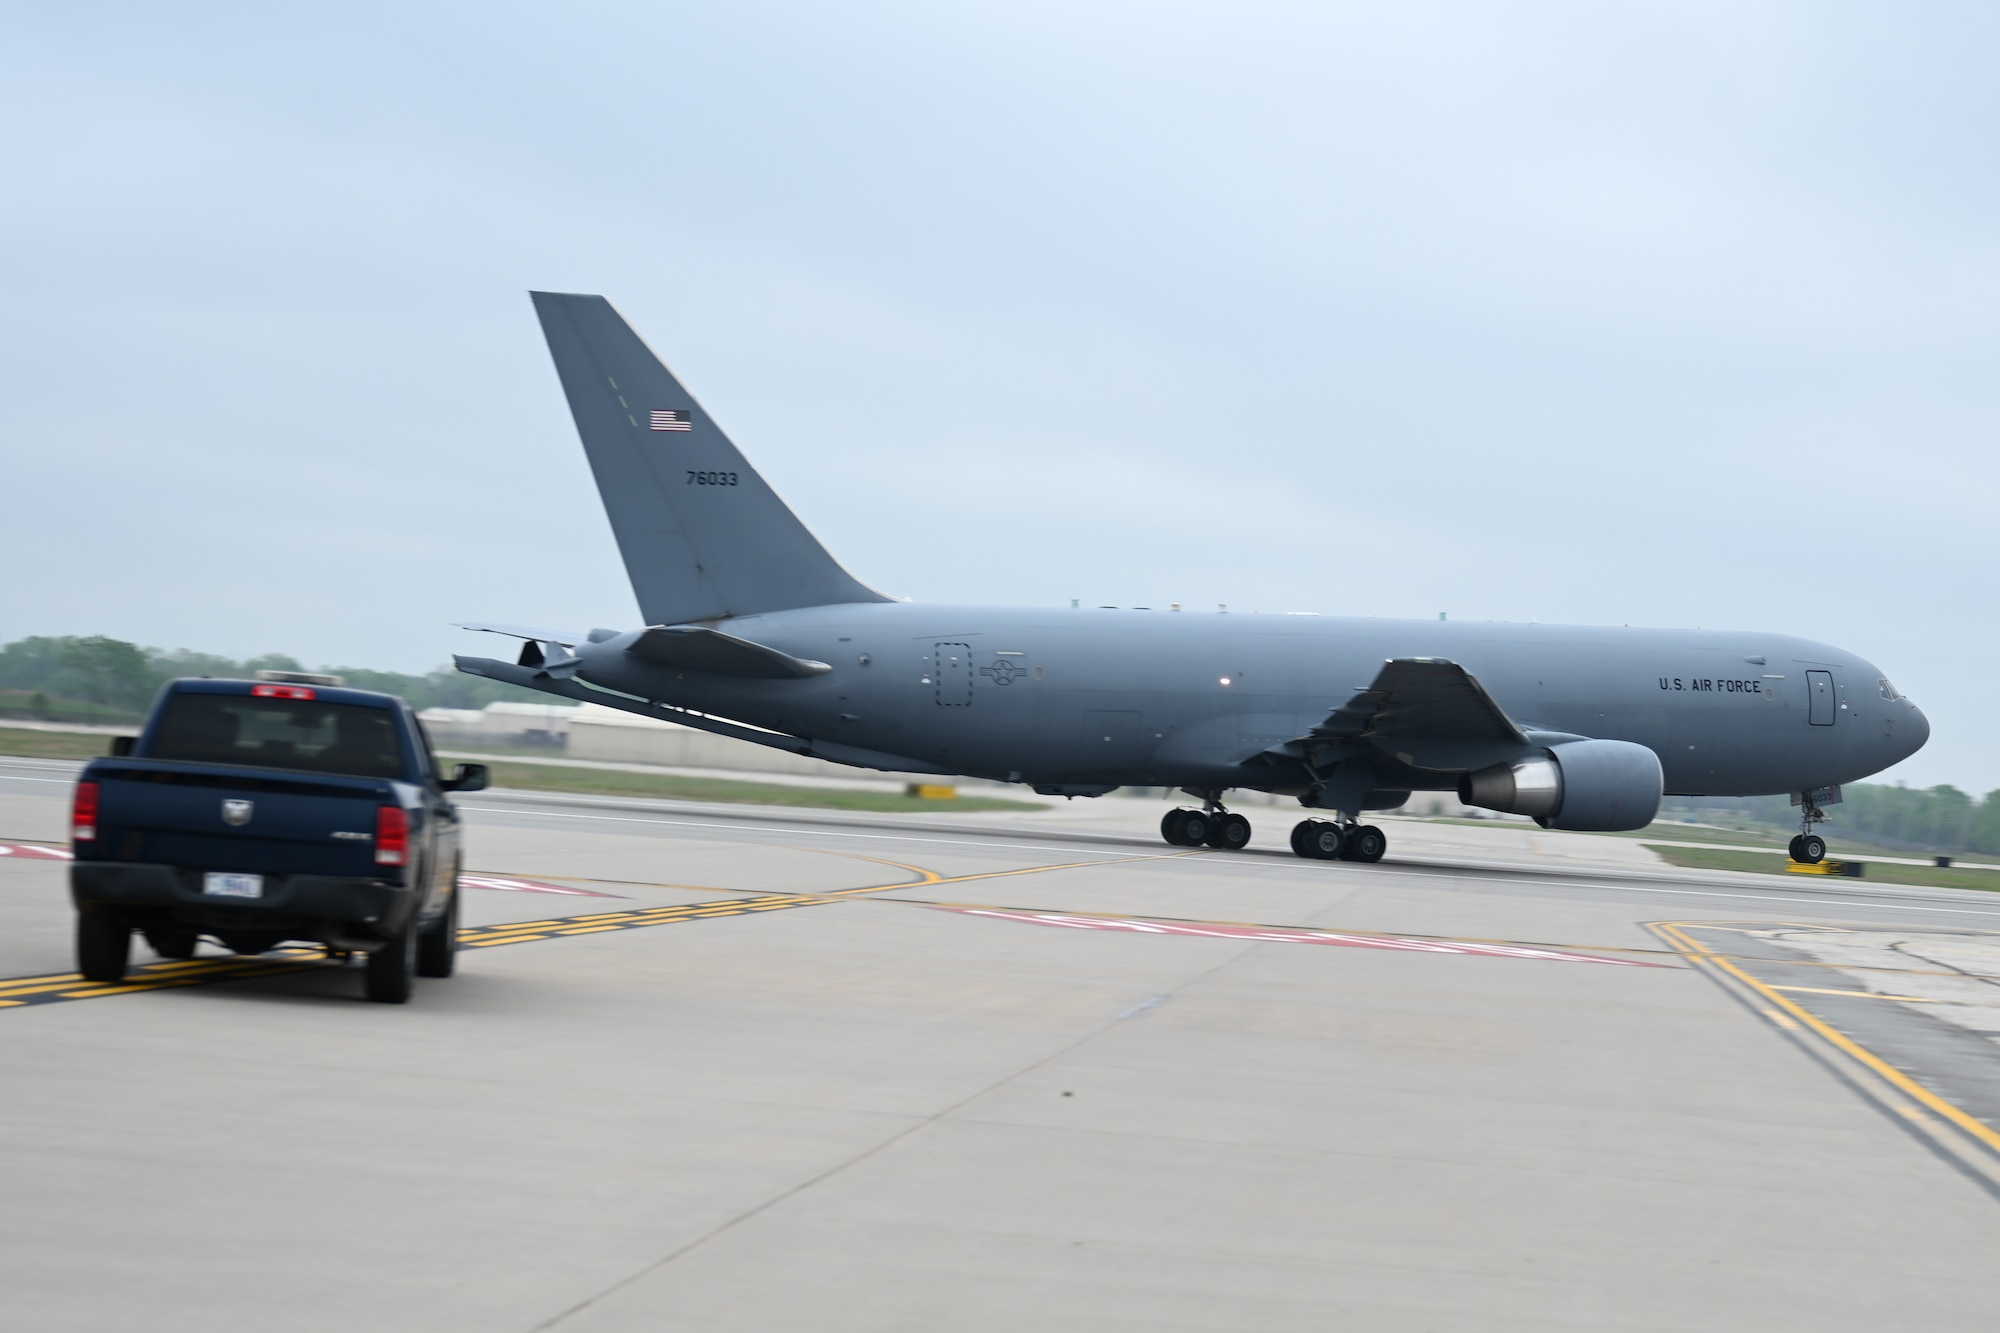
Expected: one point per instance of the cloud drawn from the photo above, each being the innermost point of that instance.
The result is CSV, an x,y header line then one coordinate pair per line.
x,y
1658,314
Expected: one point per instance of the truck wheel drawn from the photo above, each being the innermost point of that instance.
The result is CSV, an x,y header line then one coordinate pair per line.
x,y
437,948
103,944
391,968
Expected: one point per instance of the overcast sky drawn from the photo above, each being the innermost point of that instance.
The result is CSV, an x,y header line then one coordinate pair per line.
x,y
1664,314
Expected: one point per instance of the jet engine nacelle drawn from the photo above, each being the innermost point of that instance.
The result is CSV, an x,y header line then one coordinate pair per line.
x,y
1590,786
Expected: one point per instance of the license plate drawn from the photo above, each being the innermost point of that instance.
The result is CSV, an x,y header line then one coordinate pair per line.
x,y
218,885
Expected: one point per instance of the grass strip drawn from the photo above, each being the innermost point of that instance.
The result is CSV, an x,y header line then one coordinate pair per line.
x,y
593,781
1880,872
1837,845
1758,839
617,782
27,744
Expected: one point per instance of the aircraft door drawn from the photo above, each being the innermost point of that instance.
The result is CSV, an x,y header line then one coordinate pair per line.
x,y
951,670
1820,701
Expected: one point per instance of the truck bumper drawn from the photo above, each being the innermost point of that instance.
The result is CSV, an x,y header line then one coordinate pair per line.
x,y
311,905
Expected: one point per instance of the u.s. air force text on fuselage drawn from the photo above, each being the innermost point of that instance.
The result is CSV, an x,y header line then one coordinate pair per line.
x,y
1702,684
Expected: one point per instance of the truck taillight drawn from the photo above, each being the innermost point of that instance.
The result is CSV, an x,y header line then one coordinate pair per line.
x,y
392,836
83,813
281,692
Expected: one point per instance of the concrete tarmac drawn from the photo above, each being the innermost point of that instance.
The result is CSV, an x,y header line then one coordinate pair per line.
x,y
808,1069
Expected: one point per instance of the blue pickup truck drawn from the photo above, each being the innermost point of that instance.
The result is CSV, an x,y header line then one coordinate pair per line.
x,y
261,812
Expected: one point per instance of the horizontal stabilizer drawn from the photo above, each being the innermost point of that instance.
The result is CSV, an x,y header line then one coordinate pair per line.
x,y
698,648
566,638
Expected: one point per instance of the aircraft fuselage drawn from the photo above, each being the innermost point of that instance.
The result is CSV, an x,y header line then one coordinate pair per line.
x,y
1135,697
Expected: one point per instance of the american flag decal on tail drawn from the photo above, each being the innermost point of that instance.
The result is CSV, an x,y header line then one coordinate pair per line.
x,y
672,419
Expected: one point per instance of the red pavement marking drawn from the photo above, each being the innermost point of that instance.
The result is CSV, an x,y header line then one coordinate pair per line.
x,y
1267,935
32,853
510,885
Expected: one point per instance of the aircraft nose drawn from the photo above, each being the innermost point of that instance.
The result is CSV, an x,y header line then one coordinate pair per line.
x,y
1912,732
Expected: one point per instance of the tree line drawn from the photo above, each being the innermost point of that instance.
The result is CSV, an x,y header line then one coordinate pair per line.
x,y
98,678
1921,819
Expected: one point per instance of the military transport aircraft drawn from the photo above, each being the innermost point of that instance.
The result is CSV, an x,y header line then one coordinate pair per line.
x,y
753,631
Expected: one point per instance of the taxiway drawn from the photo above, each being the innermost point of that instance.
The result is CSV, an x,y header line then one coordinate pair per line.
x,y
811,1069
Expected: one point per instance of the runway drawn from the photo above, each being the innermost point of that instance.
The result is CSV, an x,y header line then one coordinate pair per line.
x,y
810,1069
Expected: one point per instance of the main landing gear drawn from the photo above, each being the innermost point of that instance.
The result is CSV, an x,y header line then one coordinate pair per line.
x,y
1210,826
1325,840
1808,848
1314,839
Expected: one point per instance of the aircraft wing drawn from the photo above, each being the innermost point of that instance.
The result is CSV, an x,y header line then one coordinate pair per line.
x,y
1426,711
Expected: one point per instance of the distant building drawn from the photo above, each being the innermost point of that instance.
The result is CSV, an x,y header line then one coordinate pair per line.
x,y
541,725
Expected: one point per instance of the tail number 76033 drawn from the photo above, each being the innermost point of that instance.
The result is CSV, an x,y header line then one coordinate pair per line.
x,y
711,479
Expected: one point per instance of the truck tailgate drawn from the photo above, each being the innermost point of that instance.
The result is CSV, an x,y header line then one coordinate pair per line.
x,y
224,818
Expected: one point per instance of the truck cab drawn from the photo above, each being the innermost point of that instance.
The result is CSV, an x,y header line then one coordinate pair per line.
x,y
261,812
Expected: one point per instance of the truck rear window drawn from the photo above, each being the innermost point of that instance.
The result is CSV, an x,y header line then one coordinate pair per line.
x,y
302,734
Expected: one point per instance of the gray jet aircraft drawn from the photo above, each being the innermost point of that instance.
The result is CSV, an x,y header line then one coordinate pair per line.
x,y
753,631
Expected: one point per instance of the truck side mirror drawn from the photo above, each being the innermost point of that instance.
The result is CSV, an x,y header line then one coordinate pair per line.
x,y
121,745
466,777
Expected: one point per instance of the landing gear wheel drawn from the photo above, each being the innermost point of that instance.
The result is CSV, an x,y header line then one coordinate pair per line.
x,y
1317,839
1187,829
1793,845
172,942
1812,849
103,944
437,948
1366,843
1228,833
391,968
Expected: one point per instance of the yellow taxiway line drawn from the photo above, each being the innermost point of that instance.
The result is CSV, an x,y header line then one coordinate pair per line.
x,y
1674,934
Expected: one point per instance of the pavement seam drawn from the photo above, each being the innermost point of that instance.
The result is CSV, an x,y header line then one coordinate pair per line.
x,y
1115,1022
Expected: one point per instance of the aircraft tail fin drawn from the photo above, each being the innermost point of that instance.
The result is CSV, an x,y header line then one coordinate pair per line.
x,y
703,536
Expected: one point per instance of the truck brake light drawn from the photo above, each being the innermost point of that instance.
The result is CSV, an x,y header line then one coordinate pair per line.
x,y
392,836
281,691
83,813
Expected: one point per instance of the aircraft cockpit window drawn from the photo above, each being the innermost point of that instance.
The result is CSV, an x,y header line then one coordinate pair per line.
x,y
1888,690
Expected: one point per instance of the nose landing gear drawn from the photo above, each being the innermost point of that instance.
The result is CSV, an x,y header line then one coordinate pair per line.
x,y
1808,848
